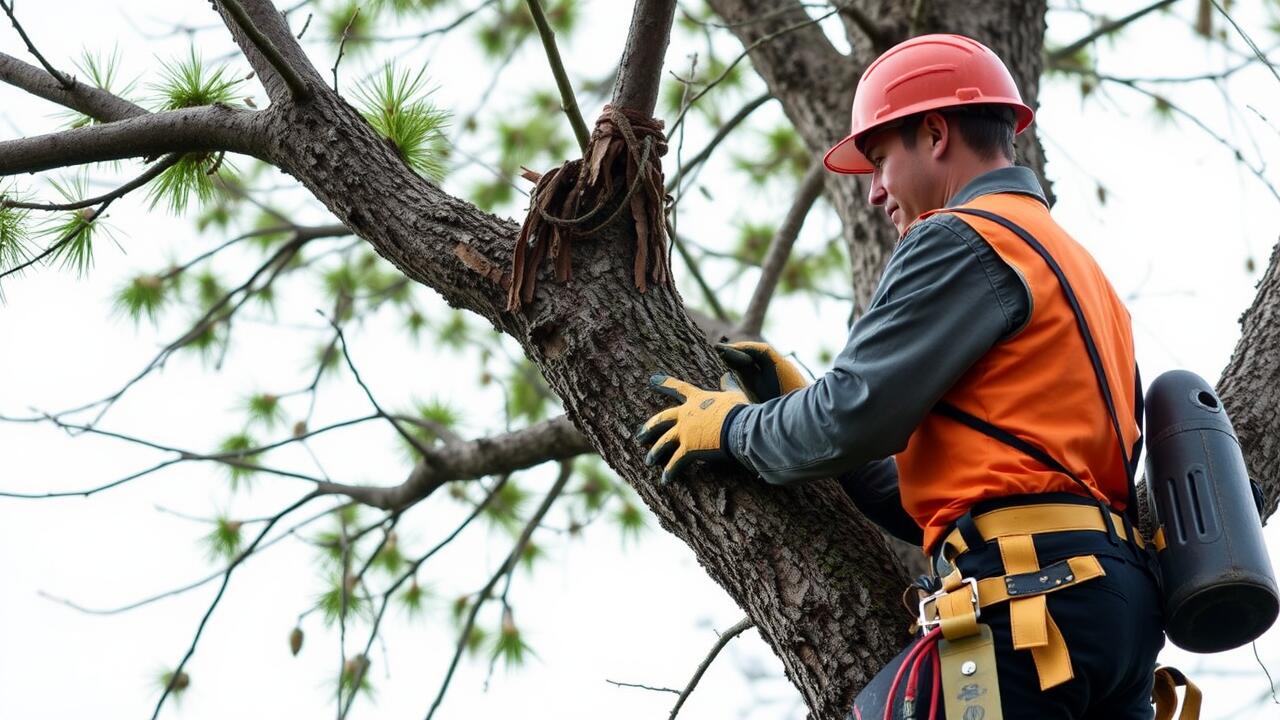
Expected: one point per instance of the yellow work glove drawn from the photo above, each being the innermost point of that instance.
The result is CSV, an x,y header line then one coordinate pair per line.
x,y
692,430
760,370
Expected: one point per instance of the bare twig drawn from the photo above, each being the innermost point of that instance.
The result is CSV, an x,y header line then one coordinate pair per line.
x,y
151,173
1248,40
226,578
192,585
734,63
566,470
728,635
342,46
673,691
66,81
780,250
306,24
721,133
568,102
297,86
1103,30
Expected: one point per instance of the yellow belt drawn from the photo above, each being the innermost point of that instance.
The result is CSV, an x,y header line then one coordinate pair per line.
x,y
957,605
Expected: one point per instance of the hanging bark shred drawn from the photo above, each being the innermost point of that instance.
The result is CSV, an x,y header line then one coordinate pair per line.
x,y
571,201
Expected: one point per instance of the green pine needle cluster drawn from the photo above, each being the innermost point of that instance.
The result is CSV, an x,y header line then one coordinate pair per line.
x,y
527,392
176,684
224,541
239,444
15,235
264,409
102,71
355,676
195,174
414,599
142,297
780,150
509,646
334,606
396,105
74,231
187,82
631,521
504,510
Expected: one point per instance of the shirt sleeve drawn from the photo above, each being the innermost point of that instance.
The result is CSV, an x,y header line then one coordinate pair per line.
x,y
944,300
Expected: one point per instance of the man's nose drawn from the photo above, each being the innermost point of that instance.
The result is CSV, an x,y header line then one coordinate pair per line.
x,y
877,194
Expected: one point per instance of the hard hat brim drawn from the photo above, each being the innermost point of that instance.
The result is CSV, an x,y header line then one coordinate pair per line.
x,y
845,158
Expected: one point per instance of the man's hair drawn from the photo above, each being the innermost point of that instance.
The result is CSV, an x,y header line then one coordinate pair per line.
x,y
987,129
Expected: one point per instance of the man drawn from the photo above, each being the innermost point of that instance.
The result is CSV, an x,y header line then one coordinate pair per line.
x,y
986,406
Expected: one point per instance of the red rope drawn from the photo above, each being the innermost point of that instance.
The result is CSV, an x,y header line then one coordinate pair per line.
x,y
929,640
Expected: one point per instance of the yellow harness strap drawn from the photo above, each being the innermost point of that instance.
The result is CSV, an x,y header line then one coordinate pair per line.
x,y
1033,628
1165,695
1037,519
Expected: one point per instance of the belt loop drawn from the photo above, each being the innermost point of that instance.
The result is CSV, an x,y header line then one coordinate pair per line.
x,y
1109,523
969,531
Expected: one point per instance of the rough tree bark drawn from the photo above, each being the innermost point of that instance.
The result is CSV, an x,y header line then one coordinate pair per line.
x,y
817,581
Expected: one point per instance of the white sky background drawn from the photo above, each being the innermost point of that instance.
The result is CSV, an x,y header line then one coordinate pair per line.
x,y
1179,221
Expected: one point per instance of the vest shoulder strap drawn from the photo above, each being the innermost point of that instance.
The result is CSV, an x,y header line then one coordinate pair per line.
x,y
1128,455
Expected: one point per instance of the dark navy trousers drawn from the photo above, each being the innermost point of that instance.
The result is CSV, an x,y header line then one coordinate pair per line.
x,y
1112,626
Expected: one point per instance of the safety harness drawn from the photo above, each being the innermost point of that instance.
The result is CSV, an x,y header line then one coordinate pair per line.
x,y
962,649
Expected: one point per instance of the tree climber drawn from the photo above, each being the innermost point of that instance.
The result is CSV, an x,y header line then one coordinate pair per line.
x,y
986,407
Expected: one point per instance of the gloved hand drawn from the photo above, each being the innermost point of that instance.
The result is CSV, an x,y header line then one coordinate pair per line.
x,y
693,430
761,371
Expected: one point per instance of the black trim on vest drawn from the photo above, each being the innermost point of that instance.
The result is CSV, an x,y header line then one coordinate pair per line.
x,y
1130,459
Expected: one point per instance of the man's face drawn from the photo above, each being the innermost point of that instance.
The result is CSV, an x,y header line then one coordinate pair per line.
x,y
904,178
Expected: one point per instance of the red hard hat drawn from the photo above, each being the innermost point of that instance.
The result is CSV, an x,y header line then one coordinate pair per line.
x,y
925,73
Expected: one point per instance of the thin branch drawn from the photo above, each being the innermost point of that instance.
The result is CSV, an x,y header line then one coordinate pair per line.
x,y
192,585
63,79
427,454
1103,30
297,86
728,635
721,133
151,173
226,578
692,265
200,129
1239,156
780,249
568,102
566,470
81,227
734,63
673,691
1248,40
342,48
414,567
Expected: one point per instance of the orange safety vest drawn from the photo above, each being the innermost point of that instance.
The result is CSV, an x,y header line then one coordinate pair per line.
x,y
1039,385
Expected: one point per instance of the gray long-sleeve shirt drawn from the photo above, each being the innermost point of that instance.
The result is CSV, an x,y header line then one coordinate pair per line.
x,y
944,300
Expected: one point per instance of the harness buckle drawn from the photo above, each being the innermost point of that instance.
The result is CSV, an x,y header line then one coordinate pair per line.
x,y
923,619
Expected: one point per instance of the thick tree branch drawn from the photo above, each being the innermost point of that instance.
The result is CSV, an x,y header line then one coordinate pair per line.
x,y
297,86
94,102
269,46
640,71
201,129
780,249
555,439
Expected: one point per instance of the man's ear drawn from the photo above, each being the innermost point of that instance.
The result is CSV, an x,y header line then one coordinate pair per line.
x,y
938,134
